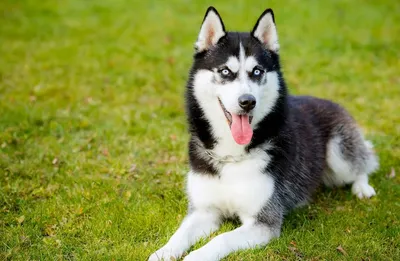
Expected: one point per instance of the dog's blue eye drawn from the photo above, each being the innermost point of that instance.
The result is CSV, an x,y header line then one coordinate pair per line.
x,y
257,72
225,72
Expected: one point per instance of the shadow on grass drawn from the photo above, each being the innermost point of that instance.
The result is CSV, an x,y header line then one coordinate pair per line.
x,y
324,201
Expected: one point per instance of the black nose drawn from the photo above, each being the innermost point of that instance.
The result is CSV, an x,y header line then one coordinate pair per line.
x,y
247,102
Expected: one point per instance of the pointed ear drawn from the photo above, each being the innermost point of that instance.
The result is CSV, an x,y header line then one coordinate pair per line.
x,y
265,31
211,30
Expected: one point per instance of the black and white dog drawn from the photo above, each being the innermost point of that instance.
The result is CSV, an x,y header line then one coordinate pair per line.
x,y
256,152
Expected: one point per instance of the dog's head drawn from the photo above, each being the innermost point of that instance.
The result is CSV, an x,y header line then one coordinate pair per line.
x,y
235,76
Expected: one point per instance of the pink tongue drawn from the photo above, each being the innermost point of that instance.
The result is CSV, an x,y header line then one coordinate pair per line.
x,y
241,129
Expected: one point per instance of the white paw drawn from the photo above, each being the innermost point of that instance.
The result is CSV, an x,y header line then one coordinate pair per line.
x,y
194,256
363,190
164,254
201,254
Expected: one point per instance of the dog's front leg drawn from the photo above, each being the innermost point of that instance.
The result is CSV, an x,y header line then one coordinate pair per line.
x,y
244,237
195,225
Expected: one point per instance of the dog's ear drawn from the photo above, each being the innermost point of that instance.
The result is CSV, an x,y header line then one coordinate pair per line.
x,y
265,31
211,30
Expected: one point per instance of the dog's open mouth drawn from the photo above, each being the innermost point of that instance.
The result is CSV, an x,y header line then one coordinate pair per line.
x,y
240,125
226,112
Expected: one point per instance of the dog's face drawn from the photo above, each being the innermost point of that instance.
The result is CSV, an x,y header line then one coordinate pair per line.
x,y
235,77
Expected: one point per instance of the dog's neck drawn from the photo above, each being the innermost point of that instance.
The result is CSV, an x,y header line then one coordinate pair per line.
x,y
225,159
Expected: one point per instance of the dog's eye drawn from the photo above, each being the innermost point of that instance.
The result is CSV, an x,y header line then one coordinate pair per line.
x,y
225,72
257,72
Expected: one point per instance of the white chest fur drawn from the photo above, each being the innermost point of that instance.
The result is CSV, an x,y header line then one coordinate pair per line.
x,y
241,188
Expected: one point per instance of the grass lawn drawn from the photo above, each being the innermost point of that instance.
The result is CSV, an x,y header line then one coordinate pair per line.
x,y
93,135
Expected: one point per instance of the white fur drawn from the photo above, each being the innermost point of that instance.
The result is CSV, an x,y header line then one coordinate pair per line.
x,y
242,188
250,62
211,31
361,188
233,64
247,236
341,171
266,33
196,225
373,163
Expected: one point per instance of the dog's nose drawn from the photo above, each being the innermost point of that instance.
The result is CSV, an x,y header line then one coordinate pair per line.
x,y
247,102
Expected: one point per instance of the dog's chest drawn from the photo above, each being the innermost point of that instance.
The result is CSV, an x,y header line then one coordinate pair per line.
x,y
240,189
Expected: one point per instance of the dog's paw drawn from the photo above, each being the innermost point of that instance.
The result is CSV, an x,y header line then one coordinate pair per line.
x,y
363,190
164,254
193,256
200,255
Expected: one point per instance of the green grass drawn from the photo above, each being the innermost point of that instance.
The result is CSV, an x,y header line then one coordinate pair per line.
x,y
93,134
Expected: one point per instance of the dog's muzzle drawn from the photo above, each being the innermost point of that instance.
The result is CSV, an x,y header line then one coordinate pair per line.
x,y
247,102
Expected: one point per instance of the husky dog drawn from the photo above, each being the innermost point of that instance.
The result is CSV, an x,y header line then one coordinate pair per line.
x,y
255,151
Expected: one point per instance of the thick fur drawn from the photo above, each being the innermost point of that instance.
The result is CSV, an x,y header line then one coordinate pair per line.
x,y
298,144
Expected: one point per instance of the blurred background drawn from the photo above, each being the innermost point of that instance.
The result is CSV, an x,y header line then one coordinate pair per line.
x,y
93,131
